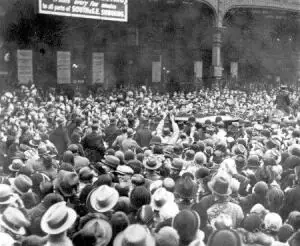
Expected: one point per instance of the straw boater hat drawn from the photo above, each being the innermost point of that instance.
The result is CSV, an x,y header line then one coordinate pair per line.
x,y
14,220
16,165
35,141
6,194
102,199
58,218
134,235
152,163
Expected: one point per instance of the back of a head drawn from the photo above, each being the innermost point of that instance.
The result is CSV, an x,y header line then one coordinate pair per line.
x,y
51,199
167,236
68,157
224,237
33,240
187,224
275,197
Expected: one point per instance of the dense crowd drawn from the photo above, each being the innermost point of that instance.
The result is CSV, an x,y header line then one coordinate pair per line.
x,y
138,168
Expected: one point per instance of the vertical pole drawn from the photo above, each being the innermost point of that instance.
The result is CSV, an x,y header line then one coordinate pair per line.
x,y
217,43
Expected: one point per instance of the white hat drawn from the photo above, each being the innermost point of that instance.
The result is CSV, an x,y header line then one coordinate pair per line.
x,y
102,199
273,221
6,239
123,169
134,235
169,210
258,209
58,219
161,197
14,220
6,194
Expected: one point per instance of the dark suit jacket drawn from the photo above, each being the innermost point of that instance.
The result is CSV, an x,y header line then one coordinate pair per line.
x,y
60,138
143,137
111,133
292,201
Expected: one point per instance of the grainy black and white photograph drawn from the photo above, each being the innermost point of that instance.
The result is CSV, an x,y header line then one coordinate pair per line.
x,y
149,122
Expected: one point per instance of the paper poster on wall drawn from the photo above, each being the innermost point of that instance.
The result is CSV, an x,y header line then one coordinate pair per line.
x,y
98,68
63,67
25,72
198,66
156,71
234,69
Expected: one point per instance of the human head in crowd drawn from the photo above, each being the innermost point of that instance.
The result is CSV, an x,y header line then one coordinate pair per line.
x,y
136,167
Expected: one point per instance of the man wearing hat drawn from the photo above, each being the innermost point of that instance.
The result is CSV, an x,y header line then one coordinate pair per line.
x,y
282,100
151,165
66,184
93,145
129,142
79,161
176,167
13,222
111,132
220,187
110,163
56,221
292,196
143,134
59,137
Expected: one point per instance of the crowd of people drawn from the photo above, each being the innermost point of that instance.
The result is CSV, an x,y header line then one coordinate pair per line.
x,y
121,169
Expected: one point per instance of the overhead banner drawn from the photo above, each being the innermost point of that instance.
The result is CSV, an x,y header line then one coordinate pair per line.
x,y
112,10
98,68
63,67
198,66
156,72
25,71
234,69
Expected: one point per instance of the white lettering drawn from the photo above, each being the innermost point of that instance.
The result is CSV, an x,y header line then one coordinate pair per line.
x,y
108,6
85,10
64,1
80,2
108,12
94,4
59,8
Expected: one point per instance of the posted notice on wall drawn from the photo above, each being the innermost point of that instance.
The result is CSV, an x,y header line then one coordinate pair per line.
x,y
198,66
63,67
234,69
98,68
156,72
25,71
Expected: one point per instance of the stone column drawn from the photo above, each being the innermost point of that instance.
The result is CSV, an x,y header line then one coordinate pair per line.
x,y
216,51
217,42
